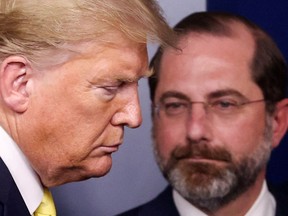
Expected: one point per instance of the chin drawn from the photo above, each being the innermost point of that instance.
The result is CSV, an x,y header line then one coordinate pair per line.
x,y
93,168
103,172
101,167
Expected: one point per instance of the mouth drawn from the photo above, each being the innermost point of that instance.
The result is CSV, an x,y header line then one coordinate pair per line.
x,y
205,160
111,148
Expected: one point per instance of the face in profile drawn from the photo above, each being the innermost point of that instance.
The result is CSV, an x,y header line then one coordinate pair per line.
x,y
212,136
79,109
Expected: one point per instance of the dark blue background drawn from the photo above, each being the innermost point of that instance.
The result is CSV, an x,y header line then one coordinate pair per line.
x,y
272,16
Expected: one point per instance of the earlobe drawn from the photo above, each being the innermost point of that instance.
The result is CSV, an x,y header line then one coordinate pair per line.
x,y
280,124
13,83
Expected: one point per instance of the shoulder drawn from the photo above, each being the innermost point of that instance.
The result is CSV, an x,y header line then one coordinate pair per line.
x,y
11,200
163,204
6,181
280,193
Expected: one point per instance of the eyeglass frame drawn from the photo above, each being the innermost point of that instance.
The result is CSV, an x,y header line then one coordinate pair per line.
x,y
157,106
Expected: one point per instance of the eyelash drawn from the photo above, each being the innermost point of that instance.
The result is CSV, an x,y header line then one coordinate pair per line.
x,y
113,89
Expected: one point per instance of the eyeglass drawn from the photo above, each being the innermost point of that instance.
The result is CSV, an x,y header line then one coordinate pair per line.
x,y
176,107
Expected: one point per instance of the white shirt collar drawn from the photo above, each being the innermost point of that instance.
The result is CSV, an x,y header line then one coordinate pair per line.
x,y
184,207
24,176
264,205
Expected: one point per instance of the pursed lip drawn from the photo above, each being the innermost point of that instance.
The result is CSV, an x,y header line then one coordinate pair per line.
x,y
110,148
205,160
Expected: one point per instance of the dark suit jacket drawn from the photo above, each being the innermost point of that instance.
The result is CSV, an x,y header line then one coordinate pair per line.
x,y
11,201
163,204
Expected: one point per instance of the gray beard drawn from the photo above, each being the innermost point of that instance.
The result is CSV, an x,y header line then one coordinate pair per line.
x,y
210,187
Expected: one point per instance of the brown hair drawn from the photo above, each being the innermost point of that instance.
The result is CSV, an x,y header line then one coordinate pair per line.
x,y
268,67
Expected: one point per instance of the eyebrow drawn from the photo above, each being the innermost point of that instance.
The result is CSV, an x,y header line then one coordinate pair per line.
x,y
125,78
226,92
128,79
174,94
212,95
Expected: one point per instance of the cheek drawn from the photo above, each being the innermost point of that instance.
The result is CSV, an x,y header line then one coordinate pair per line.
x,y
168,137
242,138
70,124
84,109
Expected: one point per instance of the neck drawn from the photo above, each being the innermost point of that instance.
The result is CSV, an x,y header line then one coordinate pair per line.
x,y
241,205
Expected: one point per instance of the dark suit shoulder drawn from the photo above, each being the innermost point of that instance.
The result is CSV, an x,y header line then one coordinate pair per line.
x,y
280,193
11,201
162,205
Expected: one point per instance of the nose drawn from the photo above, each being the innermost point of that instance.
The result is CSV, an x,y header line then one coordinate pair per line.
x,y
133,117
198,126
129,114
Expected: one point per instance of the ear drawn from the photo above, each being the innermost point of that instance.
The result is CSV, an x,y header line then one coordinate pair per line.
x,y
280,122
13,83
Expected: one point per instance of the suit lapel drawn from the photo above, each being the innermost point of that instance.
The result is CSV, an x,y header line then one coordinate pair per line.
x,y
11,201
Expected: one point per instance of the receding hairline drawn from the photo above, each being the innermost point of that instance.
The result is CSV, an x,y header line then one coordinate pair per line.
x,y
231,29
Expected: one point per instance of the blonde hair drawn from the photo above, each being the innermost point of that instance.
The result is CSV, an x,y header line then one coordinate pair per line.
x,y
28,27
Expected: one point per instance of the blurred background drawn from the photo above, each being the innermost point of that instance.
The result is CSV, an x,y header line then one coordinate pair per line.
x,y
135,177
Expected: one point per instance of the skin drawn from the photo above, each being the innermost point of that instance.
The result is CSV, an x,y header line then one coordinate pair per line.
x,y
76,112
209,64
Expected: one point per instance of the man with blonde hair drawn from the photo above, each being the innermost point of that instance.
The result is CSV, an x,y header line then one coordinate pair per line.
x,y
68,85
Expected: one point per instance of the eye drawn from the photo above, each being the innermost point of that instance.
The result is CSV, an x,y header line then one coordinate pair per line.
x,y
108,92
175,108
111,90
225,105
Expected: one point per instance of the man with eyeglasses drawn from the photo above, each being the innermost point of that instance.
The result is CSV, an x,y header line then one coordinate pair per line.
x,y
219,108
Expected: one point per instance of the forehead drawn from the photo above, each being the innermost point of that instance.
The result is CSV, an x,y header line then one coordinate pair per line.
x,y
208,63
111,57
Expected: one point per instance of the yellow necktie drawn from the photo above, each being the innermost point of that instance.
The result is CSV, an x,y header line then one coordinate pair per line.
x,y
46,207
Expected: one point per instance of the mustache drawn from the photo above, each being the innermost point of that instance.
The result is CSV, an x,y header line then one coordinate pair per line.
x,y
201,149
